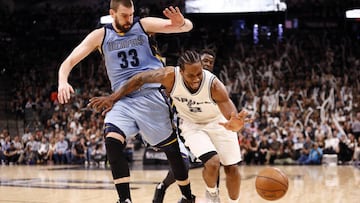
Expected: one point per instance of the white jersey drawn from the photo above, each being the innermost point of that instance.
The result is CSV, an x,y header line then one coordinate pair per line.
x,y
196,107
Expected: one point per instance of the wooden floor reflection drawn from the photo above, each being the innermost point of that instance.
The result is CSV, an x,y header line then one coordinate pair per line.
x,y
69,184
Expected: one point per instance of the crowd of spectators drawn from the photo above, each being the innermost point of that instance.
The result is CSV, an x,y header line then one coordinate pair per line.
x,y
303,92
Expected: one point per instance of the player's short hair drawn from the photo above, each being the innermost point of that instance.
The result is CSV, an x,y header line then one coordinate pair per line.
x,y
114,4
188,57
208,51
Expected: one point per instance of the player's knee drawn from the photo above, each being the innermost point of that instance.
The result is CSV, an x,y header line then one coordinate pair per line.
x,y
210,159
113,146
113,131
231,170
212,165
180,172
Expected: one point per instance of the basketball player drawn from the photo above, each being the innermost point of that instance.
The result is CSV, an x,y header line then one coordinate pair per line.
x,y
202,103
125,47
207,59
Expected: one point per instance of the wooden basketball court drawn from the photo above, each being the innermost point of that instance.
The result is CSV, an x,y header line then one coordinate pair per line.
x,y
78,184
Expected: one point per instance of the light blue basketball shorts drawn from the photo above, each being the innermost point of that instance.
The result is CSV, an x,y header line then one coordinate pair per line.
x,y
145,112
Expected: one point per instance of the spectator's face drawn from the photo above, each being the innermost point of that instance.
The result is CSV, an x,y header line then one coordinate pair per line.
x,y
123,18
208,61
192,75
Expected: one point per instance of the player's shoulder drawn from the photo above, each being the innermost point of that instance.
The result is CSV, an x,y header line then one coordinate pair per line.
x,y
95,36
169,70
98,31
210,76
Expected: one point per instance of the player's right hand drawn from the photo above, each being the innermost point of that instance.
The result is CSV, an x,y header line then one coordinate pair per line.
x,y
64,92
104,104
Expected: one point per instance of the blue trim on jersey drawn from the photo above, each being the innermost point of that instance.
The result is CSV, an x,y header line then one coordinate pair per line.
x,y
102,42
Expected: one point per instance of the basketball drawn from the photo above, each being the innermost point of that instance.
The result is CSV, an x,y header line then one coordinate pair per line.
x,y
271,183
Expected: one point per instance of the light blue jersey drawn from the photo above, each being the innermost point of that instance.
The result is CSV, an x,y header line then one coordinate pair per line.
x,y
146,110
128,54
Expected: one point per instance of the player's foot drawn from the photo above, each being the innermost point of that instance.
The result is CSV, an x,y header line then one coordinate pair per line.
x,y
159,193
184,200
212,197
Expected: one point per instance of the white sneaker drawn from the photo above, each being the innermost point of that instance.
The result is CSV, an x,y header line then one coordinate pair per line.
x,y
212,197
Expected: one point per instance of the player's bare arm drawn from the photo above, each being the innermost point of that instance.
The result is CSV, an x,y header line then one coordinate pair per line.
x,y
219,94
88,45
165,76
176,23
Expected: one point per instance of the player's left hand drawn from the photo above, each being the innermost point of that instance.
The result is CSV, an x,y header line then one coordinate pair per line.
x,y
103,104
175,15
236,121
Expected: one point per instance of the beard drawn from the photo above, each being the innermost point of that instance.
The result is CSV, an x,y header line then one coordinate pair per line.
x,y
123,28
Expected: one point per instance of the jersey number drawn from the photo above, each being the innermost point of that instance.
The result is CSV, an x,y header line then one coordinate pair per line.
x,y
131,58
195,109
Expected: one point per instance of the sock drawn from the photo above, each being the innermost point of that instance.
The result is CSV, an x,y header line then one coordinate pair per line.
x,y
186,191
123,190
211,190
233,201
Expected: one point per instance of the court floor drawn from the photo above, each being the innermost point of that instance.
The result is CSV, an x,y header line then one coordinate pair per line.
x,y
78,184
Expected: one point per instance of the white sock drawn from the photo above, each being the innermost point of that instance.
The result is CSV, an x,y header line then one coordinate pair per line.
x,y
211,190
233,201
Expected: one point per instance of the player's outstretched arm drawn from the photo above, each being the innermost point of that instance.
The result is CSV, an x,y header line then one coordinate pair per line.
x,y
219,94
176,23
105,103
88,45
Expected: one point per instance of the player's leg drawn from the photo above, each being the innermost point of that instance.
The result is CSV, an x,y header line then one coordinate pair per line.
x,y
115,144
169,179
162,186
206,152
227,146
210,175
233,181
119,123
165,183
157,129
178,166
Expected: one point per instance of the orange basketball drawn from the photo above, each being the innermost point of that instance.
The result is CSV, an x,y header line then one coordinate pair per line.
x,y
271,183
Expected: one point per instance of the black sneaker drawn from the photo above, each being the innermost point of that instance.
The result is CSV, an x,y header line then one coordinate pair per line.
x,y
159,193
184,200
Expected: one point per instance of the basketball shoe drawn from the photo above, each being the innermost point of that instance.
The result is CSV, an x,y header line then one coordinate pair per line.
x,y
159,193
184,200
212,197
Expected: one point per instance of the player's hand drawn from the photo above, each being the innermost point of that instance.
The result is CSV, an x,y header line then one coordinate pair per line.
x,y
236,121
175,15
103,104
64,92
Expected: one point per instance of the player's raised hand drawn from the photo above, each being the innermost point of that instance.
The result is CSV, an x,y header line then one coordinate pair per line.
x,y
64,92
175,15
103,104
